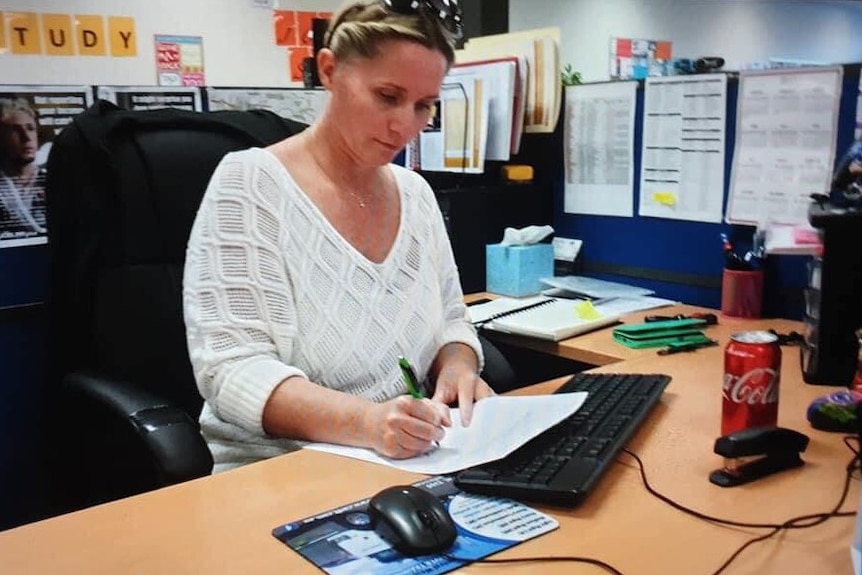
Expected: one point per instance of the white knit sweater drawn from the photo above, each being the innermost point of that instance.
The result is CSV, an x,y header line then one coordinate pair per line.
x,y
272,290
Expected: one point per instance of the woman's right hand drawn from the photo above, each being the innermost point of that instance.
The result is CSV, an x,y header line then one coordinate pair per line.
x,y
406,427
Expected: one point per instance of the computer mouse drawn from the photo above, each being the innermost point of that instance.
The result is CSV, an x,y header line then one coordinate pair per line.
x,y
413,520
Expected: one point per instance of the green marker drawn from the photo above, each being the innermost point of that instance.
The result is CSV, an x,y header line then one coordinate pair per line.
x,y
409,378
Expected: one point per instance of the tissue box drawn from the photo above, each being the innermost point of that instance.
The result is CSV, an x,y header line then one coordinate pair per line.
x,y
515,270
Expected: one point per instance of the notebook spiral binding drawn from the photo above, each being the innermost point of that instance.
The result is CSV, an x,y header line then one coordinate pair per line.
x,y
481,324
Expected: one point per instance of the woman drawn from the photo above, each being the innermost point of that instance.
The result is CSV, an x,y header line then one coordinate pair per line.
x,y
22,180
315,263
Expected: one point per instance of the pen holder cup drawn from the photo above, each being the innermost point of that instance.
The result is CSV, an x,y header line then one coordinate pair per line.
x,y
742,293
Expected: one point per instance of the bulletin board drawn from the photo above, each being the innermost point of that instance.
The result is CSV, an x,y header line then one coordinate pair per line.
x,y
680,259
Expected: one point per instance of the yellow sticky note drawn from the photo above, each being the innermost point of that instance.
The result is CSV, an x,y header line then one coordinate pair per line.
x,y
586,310
664,198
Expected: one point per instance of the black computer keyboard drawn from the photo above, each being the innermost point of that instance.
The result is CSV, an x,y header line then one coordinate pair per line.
x,y
561,465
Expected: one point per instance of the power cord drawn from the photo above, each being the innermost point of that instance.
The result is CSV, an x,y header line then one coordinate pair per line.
x,y
798,522
558,559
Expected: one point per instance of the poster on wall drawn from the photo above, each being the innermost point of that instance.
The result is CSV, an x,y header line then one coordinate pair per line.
x,y
294,29
786,129
30,118
682,155
301,105
636,59
179,60
152,97
599,149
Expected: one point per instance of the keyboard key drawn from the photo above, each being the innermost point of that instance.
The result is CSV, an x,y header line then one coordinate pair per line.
x,y
561,465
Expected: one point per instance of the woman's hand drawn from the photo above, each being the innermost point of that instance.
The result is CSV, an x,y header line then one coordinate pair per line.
x,y
406,427
459,381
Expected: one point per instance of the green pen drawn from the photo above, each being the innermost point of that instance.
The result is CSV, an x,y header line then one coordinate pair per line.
x,y
409,378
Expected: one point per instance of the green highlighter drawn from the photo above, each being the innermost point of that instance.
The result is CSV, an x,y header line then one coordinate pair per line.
x,y
410,378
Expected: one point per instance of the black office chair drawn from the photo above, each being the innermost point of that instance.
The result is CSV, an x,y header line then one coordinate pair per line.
x,y
123,189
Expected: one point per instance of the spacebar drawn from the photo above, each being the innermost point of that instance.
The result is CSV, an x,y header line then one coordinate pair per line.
x,y
575,473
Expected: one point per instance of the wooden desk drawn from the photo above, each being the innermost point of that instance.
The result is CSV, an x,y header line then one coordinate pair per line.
x,y
222,524
598,348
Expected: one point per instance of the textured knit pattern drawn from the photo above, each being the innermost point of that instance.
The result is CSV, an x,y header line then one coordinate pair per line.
x,y
272,290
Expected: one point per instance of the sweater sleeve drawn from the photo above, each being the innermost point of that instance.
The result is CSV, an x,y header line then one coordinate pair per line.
x,y
236,293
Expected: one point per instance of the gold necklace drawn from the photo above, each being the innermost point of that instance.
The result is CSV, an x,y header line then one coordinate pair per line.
x,y
361,201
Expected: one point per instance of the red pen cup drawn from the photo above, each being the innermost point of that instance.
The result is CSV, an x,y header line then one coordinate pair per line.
x,y
742,293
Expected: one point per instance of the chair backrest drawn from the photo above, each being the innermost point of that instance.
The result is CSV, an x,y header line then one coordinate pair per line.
x,y
123,188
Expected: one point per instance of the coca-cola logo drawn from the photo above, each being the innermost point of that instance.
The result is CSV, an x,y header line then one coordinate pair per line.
x,y
760,385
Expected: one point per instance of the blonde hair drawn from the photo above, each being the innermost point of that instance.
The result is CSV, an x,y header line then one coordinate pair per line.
x,y
9,106
361,26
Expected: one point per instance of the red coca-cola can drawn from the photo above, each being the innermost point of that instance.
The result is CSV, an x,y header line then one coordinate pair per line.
x,y
752,370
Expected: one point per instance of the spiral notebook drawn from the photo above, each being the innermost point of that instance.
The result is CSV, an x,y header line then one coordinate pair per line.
x,y
541,316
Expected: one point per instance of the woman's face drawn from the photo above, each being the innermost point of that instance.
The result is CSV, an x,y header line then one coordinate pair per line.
x,y
18,138
379,104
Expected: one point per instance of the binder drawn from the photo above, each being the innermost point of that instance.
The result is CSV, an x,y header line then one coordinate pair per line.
x,y
541,317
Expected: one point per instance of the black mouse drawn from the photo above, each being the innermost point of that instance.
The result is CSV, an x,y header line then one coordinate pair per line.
x,y
413,520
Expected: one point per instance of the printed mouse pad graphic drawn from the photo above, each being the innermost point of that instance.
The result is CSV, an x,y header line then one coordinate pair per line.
x,y
344,541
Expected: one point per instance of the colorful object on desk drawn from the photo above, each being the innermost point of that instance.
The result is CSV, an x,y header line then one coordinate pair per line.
x,y
741,293
837,411
587,311
661,333
517,270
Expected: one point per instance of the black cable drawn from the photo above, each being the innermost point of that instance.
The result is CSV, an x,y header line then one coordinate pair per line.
x,y
799,522
572,559
719,520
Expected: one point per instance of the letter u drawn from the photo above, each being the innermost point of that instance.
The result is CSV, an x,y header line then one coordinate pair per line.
x,y
57,43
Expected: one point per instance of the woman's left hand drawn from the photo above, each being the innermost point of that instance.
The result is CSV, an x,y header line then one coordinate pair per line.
x,y
458,381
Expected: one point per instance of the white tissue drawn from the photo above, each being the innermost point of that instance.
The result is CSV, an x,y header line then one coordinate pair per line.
x,y
525,236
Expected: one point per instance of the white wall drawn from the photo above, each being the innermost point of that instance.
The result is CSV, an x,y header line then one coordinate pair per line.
x,y
741,31
238,41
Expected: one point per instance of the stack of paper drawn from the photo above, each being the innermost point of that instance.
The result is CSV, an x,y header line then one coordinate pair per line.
x,y
582,286
463,447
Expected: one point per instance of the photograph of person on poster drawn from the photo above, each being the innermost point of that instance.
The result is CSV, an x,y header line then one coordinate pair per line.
x,y
22,171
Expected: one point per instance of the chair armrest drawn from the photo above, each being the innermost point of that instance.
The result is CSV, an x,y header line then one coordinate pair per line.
x,y
498,372
158,430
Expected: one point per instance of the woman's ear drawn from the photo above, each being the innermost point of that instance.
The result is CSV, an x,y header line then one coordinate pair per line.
x,y
325,66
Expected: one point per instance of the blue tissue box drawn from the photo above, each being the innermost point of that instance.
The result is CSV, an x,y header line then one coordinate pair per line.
x,y
515,270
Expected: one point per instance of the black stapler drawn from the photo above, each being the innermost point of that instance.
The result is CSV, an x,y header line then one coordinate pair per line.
x,y
757,452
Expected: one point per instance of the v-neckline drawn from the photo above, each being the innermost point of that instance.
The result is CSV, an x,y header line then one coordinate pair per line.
x,y
331,230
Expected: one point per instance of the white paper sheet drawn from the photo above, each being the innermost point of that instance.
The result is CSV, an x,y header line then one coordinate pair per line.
x,y
785,143
500,425
682,161
599,149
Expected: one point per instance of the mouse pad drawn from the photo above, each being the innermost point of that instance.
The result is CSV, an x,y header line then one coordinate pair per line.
x,y
342,541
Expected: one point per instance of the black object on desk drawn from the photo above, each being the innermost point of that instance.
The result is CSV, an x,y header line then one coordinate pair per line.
x,y
775,449
561,465
833,298
691,346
